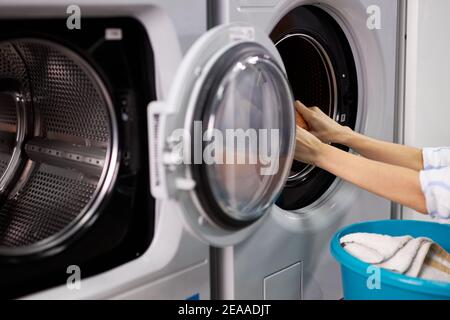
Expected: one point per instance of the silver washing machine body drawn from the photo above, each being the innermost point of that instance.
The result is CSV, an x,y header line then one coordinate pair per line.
x,y
336,58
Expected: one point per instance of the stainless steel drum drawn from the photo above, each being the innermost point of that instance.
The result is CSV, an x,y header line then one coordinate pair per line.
x,y
314,80
58,145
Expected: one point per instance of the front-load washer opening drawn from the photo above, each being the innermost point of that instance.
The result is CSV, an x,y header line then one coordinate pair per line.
x,y
74,165
58,143
321,70
319,90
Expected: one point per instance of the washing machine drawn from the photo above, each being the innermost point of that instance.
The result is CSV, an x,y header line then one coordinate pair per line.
x,y
77,218
343,56
91,119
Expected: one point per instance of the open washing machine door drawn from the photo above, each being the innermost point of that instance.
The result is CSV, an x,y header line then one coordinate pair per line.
x,y
221,146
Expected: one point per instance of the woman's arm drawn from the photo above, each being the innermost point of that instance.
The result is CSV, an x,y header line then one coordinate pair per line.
x,y
329,131
395,154
398,184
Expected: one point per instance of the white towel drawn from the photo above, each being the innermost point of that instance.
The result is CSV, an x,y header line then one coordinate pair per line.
x,y
403,259
373,248
436,265
419,260
418,257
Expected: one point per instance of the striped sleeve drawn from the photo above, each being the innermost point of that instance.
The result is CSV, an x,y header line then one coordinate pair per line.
x,y
435,185
436,158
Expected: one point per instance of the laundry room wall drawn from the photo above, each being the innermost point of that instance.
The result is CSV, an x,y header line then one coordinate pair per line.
x,y
427,95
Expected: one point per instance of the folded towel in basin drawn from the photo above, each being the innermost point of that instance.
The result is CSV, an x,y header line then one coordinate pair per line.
x,y
414,257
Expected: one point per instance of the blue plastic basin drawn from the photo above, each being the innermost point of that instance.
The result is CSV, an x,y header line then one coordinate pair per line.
x,y
392,286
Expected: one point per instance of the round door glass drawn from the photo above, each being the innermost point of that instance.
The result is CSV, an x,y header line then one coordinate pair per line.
x,y
248,140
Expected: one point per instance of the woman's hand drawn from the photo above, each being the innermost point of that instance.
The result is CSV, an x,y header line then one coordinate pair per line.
x,y
322,126
393,173
329,131
308,148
